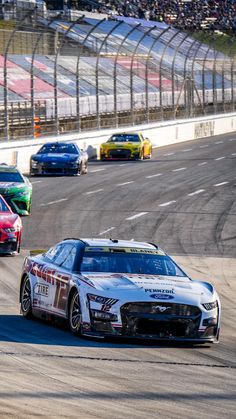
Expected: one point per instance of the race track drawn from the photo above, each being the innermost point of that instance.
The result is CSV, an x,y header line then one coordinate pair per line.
x,y
184,200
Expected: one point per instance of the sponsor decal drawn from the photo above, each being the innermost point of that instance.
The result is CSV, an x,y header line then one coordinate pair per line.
x,y
41,289
204,129
159,291
48,275
106,307
162,296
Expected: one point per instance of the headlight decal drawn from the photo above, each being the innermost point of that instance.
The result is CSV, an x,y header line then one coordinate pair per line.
x,y
210,306
100,303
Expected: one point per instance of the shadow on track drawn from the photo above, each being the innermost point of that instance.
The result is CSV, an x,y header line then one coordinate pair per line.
x,y
15,328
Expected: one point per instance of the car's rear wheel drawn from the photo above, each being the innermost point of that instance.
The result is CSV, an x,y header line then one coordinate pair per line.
x,y
74,317
25,298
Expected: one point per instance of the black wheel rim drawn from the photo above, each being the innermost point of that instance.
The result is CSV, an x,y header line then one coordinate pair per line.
x,y
26,296
75,314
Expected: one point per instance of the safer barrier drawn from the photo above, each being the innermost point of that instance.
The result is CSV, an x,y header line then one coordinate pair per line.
x,y
161,134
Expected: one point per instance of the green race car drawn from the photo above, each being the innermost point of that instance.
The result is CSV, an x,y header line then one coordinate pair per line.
x,y
16,189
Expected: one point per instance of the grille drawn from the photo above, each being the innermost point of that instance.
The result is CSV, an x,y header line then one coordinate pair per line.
x,y
120,154
8,247
162,329
21,205
163,320
161,308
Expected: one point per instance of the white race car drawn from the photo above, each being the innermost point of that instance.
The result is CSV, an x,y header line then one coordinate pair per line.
x,y
119,288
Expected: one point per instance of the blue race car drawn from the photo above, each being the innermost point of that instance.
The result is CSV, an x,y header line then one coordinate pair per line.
x,y
59,158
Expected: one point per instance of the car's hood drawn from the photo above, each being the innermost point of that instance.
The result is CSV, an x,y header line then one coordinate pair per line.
x,y
7,220
12,187
54,157
150,287
121,144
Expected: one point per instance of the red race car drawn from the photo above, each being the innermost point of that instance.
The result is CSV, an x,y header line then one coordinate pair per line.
x,y
10,229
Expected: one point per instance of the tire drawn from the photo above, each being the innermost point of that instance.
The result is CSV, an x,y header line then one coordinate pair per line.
x,y
18,245
74,315
85,168
25,298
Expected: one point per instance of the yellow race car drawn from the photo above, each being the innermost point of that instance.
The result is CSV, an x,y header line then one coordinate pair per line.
x,y
126,146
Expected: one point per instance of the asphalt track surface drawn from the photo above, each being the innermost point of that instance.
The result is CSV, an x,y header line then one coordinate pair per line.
x,y
184,200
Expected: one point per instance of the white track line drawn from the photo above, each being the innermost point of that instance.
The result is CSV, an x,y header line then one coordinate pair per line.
x,y
196,192
202,164
186,150
220,158
124,183
166,204
168,154
140,214
219,142
221,184
96,170
54,202
92,192
203,146
106,231
232,139
36,181
233,154
151,176
178,170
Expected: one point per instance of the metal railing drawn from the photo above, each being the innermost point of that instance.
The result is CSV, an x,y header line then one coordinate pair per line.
x,y
79,75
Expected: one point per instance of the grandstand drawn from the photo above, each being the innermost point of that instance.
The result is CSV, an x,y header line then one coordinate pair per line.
x,y
91,73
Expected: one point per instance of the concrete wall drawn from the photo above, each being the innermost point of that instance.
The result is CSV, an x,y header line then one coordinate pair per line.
x,y
161,134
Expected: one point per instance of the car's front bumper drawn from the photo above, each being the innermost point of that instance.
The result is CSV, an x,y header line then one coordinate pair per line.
x,y
179,322
8,246
19,204
54,169
120,154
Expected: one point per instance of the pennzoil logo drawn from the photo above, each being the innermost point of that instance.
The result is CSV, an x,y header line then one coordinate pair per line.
x,y
41,289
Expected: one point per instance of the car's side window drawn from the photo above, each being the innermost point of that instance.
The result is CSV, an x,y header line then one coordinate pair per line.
x,y
53,252
62,255
69,258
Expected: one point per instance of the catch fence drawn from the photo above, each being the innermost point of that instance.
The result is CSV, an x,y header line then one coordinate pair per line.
x,y
59,75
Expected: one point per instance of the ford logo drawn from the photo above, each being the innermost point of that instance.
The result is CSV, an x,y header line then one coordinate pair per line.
x,y
162,296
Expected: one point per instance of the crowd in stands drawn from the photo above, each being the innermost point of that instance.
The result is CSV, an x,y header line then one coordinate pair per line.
x,y
183,14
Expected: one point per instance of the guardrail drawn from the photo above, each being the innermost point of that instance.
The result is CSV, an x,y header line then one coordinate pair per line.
x,y
160,134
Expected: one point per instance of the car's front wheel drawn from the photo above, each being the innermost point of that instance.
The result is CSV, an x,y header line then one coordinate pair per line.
x,y
74,317
18,244
83,168
25,298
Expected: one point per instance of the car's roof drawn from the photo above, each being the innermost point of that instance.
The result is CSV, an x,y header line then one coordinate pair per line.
x,y
59,143
127,133
6,168
94,242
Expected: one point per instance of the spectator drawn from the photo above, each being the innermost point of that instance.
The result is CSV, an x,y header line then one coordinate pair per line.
x,y
183,14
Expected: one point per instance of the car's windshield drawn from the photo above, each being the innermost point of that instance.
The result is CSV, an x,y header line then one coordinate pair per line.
x,y
11,177
3,207
151,264
124,138
58,148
